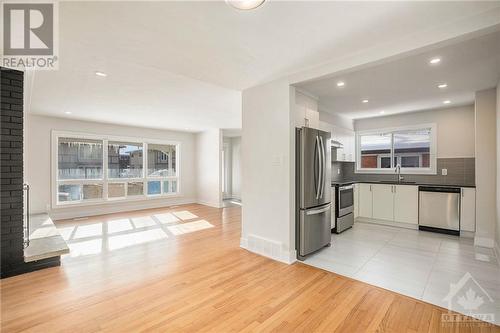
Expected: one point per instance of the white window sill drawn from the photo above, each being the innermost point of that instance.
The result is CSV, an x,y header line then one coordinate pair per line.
x,y
94,202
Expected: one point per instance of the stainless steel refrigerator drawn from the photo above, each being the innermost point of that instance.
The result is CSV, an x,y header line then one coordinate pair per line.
x,y
313,198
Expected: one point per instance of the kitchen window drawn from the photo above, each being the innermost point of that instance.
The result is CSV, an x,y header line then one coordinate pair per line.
x,y
90,169
411,147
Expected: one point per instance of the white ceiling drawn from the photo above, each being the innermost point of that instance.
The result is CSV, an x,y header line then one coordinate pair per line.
x,y
410,84
181,64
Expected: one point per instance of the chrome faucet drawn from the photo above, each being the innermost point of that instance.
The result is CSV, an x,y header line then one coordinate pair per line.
x,y
398,172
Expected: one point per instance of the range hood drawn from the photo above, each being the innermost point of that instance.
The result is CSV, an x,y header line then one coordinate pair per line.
x,y
336,144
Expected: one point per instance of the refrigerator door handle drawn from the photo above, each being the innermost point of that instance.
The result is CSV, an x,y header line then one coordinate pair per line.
x,y
319,211
323,174
320,167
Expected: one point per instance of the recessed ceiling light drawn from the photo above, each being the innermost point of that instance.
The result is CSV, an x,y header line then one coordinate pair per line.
x,y
364,101
102,74
382,112
67,112
434,61
340,84
442,86
245,4
447,102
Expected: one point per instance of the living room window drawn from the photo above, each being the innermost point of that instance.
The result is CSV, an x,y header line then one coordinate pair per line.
x,y
91,169
411,147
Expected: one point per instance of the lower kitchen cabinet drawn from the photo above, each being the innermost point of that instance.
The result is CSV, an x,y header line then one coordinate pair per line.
x,y
399,204
392,203
406,204
383,202
468,209
365,200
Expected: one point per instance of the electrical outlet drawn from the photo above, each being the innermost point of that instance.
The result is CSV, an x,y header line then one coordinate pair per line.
x,y
444,172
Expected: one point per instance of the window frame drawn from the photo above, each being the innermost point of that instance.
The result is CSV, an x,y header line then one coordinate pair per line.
x,y
105,180
431,170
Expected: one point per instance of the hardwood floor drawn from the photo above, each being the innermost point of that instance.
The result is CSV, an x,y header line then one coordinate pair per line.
x,y
193,279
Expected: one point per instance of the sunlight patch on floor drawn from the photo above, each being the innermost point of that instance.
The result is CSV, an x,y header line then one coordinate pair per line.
x,y
143,221
140,237
88,230
166,218
93,246
189,227
119,225
185,215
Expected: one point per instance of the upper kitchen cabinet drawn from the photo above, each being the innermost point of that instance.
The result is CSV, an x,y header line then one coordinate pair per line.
x,y
306,111
347,138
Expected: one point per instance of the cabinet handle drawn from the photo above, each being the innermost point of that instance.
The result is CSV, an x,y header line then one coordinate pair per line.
x,y
370,188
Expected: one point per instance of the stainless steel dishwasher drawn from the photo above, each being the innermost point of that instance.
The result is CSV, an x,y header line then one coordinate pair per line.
x,y
439,209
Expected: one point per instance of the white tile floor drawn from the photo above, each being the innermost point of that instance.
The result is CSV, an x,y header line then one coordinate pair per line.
x,y
414,263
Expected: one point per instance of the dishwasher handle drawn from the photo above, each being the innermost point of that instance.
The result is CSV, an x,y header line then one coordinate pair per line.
x,y
439,189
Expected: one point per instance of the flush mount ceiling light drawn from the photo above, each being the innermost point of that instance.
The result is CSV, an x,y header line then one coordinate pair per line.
x,y
245,4
364,101
435,61
101,74
382,112
442,86
67,112
447,102
340,84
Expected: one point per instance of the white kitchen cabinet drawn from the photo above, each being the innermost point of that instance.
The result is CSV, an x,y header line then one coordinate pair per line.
x,y
306,111
365,200
468,209
383,202
305,116
347,138
312,116
392,203
356,200
406,204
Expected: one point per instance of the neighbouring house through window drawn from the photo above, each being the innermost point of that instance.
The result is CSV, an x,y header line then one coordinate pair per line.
x,y
93,169
412,148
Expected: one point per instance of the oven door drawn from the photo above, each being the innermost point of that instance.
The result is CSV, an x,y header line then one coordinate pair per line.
x,y
345,200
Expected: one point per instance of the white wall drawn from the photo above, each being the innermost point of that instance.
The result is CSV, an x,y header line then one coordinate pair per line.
x,y
455,128
498,172
227,172
267,170
209,167
232,156
38,164
486,168
236,167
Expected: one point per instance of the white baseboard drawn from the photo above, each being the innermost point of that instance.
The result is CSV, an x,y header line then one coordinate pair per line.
x,y
210,204
484,242
268,248
118,207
